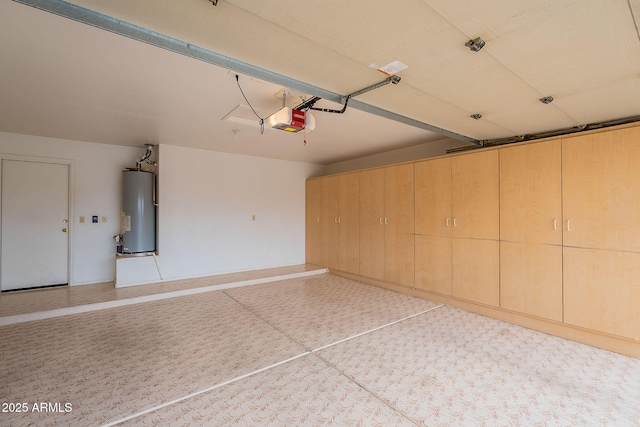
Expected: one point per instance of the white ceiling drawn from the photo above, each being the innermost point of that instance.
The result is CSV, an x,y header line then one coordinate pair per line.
x,y
66,79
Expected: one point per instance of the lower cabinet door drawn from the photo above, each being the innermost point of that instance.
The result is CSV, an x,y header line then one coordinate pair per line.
x,y
476,266
531,279
602,291
433,264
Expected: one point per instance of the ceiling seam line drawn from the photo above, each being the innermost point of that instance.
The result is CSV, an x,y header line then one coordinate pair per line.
x,y
459,108
505,67
535,89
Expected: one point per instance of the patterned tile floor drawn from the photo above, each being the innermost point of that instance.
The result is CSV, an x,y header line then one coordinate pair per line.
x,y
256,356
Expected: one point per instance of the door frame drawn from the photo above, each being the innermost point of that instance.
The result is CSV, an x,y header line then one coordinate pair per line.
x,y
70,164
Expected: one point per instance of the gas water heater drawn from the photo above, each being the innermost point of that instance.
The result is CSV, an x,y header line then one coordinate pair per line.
x,y
138,228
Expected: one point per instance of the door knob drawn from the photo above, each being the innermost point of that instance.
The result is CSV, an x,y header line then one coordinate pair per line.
x,y
64,230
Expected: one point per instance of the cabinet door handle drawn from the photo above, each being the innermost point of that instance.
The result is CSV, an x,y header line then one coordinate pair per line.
x,y
380,220
568,225
447,222
335,219
318,219
455,222
339,221
555,224
385,221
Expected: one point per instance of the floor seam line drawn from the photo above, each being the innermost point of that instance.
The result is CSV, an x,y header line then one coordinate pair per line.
x,y
376,329
206,390
267,322
373,394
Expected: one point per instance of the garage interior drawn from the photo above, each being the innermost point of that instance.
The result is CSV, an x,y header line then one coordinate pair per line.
x,y
450,240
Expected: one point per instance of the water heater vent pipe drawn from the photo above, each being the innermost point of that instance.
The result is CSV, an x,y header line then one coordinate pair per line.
x,y
145,157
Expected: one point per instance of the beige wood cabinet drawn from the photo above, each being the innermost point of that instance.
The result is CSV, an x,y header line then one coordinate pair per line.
x,y
531,279
433,267
475,269
433,197
601,190
349,223
602,291
386,224
371,223
433,224
399,224
531,193
313,231
321,213
475,195
332,236
456,213
475,231
538,232
601,201
531,229
329,231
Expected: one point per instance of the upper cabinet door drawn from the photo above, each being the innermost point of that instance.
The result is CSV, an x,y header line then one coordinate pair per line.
x,y
531,193
399,198
601,190
475,195
433,197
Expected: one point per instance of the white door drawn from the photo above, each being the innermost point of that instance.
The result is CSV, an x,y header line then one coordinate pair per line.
x,y
35,213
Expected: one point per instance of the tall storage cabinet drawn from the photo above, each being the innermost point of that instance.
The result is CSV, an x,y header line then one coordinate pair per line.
x,y
399,224
321,219
372,223
531,229
601,202
387,224
475,207
313,232
433,225
457,203
332,221
349,223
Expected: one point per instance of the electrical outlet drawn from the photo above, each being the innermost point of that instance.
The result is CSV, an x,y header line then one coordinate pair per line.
x,y
94,219
104,219
81,220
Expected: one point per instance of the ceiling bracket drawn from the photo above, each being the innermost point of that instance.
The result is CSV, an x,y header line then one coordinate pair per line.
x,y
391,79
309,104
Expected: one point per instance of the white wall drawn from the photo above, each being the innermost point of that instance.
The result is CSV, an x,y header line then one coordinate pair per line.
x,y
422,151
207,200
95,190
